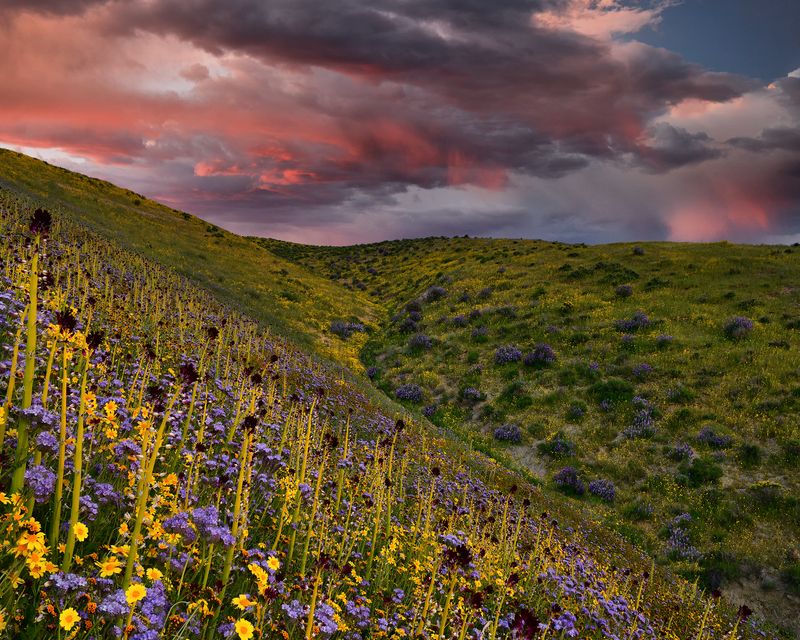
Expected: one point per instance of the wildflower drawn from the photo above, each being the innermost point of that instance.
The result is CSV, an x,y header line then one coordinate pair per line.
x,y
135,593
154,574
109,567
41,481
273,564
68,619
507,353
81,531
243,601
244,629
508,433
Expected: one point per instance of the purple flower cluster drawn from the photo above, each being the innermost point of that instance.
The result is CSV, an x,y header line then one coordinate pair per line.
x,y
206,519
410,392
471,394
542,355
681,451
737,327
41,481
712,439
508,433
603,489
346,329
643,425
420,341
642,370
568,479
624,291
638,320
507,353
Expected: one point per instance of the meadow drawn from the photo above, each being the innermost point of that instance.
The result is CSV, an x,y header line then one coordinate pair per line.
x,y
172,466
655,383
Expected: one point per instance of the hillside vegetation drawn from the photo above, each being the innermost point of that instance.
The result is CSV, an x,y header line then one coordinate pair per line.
x,y
292,301
175,461
658,383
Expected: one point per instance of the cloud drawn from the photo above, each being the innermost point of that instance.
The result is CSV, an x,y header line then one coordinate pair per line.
x,y
297,117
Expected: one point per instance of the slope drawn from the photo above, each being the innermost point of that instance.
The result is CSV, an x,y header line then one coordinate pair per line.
x,y
662,377
213,481
292,301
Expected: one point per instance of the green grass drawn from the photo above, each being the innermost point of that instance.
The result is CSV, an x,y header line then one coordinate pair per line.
x,y
291,300
520,292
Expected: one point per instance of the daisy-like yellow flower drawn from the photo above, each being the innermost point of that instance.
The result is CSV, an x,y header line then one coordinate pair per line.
x,y
243,601
244,629
273,563
109,567
123,529
3,497
154,574
81,531
135,593
3,620
68,619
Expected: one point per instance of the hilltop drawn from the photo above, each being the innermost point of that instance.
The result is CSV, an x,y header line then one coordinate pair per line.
x,y
197,460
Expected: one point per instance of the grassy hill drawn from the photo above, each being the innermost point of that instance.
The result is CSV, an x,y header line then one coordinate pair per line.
x,y
185,472
291,300
665,375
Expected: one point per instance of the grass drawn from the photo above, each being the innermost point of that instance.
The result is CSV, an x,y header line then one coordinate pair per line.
x,y
623,395
155,294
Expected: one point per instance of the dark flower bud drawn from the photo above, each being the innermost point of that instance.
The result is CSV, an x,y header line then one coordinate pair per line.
x,y
41,222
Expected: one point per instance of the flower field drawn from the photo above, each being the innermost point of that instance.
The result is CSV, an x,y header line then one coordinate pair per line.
x,y
169,469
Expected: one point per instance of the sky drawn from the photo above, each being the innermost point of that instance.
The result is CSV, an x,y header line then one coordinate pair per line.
x,y
345,121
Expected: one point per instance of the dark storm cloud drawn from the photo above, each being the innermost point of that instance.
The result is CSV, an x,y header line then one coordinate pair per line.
x,y
672,147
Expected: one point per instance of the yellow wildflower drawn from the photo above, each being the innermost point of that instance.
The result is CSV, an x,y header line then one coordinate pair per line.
x,y
244,629
81,531
68,619
109,567
135,593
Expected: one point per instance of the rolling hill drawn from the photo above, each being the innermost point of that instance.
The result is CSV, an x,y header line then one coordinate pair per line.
x,y
249,474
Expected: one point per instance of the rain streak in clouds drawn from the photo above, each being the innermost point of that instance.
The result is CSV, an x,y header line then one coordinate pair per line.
x,y
344,121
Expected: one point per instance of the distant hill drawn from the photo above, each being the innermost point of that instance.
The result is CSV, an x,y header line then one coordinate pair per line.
x,y
670,370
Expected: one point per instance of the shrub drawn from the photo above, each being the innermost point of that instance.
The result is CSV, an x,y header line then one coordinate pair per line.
x,y
372,372
429,410
712,439
542,355
664,340
791,451
749,455
681,451
576,410
408,326
419,342
643,425
569,481
410,392
615,390
603,489
638,320
791,576
638,251
702,471
556,447
508,433
506,354
346,329
624,291
679,545
471,394
766,493
434,293
479,334
638,510
737,327
642,370
460,321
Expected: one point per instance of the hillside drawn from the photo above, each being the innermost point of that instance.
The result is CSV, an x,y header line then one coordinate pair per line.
x,y
292,301
171,470
663,377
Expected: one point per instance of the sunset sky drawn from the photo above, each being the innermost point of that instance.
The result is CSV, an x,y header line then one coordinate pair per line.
x,y
342,121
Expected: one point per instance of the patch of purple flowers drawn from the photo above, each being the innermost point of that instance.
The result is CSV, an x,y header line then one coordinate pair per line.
x,y
569,480
603,489
508,433
410,392
542,355
737,327
507,353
